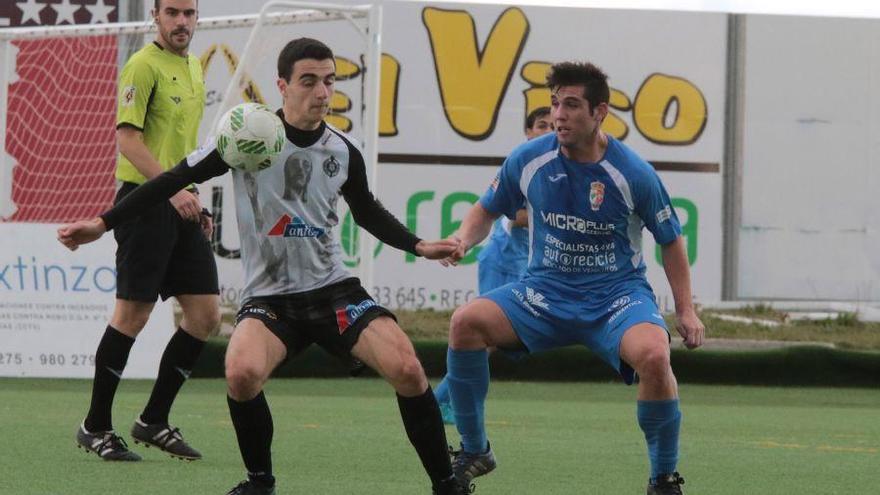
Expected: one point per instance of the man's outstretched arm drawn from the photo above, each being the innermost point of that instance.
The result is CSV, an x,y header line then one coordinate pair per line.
x,y
155,190
474,228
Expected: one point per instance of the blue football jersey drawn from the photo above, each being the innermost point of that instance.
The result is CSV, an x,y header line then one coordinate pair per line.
x,y
507,249
585,219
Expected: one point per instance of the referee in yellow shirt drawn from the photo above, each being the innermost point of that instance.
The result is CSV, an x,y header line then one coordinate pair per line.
x,y
165,252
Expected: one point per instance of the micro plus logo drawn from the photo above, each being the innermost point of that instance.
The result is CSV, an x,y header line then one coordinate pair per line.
x,y
38,276
576,224
294,227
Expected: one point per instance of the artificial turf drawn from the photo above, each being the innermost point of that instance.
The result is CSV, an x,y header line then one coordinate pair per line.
x,y
344,436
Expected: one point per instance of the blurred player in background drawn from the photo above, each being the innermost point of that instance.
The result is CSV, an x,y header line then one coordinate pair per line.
x,y
589,196
505,256
163,252
309,297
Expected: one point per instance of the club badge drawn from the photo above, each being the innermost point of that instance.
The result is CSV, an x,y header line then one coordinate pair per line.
x,y
597,195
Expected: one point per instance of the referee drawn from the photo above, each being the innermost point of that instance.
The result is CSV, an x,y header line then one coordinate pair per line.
x,y
165,251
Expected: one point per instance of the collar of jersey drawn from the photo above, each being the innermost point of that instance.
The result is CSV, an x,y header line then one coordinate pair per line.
x,y
302,139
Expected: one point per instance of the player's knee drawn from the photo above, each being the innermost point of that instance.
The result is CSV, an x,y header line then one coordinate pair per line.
x,y
244,380
411,370
408,376
131,322
464,326
212,318
654,362
208,322
202,322
138,321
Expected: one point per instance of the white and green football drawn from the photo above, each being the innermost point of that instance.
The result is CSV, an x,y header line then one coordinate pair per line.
x,y
249,136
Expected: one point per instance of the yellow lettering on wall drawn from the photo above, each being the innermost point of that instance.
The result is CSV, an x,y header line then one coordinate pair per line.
x,y
346,69
669,110
473,81
250,91
614,125
537,95
388,87
340,102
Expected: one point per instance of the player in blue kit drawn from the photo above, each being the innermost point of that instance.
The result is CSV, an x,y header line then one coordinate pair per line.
x,y
505,256
588,197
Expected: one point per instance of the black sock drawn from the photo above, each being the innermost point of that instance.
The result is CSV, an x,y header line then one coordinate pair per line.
x,y
424,427
110,360
253,429
177,362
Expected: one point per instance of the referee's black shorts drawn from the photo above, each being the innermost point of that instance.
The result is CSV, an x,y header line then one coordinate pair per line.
x,y
160,254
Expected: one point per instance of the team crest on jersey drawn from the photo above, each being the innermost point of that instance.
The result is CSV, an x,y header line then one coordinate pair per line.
x,y
597,195
294,227
331,166
128,93
349,314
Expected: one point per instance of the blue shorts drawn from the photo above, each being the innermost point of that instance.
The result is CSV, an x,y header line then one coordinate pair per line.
x,y
545,320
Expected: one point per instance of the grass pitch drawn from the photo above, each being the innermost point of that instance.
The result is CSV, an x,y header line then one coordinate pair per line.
x,y
345,437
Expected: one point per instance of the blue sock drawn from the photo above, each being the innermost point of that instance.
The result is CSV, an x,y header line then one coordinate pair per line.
x,y
661,421
468,379
441,392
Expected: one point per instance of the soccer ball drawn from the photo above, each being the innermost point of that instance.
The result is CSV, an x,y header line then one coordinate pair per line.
x,y
249,136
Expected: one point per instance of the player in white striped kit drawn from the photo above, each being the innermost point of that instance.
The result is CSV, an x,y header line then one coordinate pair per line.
x,y
297,290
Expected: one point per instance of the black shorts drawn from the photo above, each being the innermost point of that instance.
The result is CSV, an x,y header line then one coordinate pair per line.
x,y
332,317
160,254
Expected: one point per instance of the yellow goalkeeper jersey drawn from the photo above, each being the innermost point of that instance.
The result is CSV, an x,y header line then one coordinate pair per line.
x,y
163,95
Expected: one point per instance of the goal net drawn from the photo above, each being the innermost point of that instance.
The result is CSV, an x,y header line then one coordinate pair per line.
x,y
58,86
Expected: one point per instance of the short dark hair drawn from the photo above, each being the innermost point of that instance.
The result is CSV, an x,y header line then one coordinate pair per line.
x,y
299,49
536,114
158,3
594,81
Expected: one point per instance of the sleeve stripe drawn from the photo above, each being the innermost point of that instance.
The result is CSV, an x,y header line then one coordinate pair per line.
x,y
620,182
532,168
351,147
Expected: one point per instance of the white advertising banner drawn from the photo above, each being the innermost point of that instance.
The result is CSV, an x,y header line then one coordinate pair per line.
x,y
457,83
55,305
